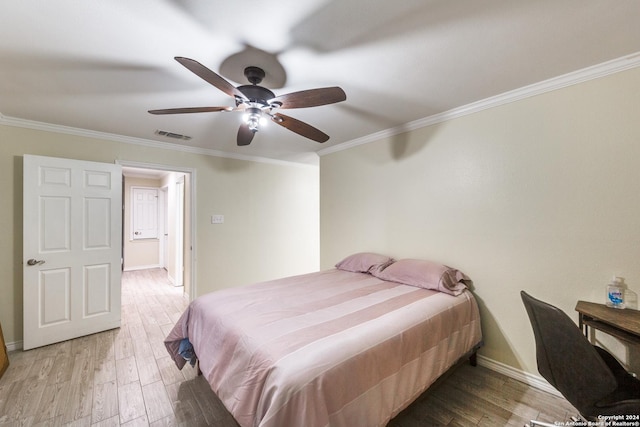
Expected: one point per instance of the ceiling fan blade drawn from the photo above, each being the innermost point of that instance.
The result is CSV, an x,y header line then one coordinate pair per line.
x,y
191,110
210,77
245,135
310,97
299,127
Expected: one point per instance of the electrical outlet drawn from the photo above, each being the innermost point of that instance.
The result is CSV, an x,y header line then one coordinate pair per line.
x,y
217,219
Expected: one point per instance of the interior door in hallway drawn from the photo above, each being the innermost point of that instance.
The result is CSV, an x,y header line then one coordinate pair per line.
x,y
72,248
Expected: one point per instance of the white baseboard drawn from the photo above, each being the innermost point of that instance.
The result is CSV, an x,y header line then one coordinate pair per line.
x,y
534,381
12,346
173,281
142,267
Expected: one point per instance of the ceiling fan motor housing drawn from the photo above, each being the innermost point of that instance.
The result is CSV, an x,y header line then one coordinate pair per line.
x,y
254,74
257,94
253,92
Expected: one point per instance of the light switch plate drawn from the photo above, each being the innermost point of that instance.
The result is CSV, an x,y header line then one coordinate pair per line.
x,y
217,219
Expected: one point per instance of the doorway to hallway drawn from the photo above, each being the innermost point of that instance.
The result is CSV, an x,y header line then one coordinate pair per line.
x,y
171,248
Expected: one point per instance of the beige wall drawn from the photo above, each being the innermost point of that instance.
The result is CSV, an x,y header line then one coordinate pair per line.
x,y
271,212
542,194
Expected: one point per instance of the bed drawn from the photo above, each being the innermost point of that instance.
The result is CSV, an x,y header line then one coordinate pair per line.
x,y
340,347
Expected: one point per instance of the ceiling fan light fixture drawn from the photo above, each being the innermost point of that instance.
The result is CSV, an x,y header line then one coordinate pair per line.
x,y
253,118
259,102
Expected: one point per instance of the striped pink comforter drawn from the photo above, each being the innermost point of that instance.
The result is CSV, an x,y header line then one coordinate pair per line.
x,y
332,348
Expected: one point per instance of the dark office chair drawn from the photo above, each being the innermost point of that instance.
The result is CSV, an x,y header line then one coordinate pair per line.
x,y
589,377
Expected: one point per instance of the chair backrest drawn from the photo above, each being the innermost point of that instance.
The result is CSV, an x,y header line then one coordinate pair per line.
x,y
566,358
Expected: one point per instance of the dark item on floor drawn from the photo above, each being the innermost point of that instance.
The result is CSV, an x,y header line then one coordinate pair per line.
x,y
4,357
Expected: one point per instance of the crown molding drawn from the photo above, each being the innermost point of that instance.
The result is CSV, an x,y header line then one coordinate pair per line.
x,y
86,133
555,83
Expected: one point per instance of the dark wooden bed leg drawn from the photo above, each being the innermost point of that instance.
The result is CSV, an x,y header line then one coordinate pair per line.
x,y
473,359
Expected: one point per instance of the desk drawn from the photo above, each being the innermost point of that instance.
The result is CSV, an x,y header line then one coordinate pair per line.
x,y
623,324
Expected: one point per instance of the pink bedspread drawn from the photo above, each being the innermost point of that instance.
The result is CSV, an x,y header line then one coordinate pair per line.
x,y
332,348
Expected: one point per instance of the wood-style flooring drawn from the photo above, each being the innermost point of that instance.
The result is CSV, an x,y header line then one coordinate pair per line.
x,y
124,377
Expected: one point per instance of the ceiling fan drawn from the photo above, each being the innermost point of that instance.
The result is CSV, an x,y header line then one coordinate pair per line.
x,y
259,103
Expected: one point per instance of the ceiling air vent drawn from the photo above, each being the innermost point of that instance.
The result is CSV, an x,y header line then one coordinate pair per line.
x,y
173,135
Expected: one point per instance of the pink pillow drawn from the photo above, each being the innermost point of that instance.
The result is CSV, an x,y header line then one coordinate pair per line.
x,y
425,274
364,262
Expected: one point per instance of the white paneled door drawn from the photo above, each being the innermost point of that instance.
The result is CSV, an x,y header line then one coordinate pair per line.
x,y
144,213
72,248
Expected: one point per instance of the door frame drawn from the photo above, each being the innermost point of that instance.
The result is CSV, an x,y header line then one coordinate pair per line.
x,y
162,224
179,232
192,211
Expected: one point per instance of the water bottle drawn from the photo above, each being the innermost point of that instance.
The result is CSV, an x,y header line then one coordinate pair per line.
x,y
615,292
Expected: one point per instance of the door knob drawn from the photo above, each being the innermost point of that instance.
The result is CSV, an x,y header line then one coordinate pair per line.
x,y
35,262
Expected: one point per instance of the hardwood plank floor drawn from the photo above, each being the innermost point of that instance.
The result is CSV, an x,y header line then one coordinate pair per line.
x,y
124,377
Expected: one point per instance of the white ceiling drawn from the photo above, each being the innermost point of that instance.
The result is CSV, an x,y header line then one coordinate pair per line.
x,y
100,65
